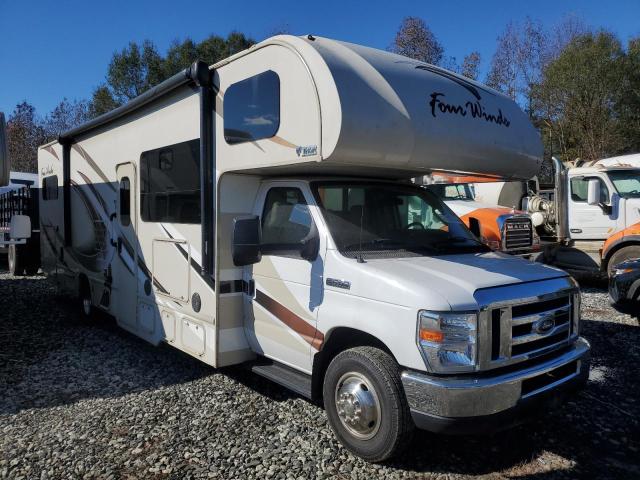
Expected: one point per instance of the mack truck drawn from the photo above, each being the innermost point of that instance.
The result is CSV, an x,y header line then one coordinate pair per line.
x,y
260,212
501,228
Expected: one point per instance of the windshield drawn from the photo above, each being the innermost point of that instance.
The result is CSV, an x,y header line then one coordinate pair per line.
x,y
458,191
396,220
627,182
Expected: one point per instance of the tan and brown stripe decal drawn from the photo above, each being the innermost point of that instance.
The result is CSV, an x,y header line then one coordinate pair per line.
x,y
83,153
308,332
52,151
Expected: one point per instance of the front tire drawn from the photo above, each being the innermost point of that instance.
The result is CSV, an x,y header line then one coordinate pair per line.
x,y
365,403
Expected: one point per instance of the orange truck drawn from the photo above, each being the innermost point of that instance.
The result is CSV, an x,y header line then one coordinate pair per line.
x,y
499,227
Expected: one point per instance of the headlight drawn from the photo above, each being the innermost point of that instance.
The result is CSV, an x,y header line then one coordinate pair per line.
x,y
448,340
576,313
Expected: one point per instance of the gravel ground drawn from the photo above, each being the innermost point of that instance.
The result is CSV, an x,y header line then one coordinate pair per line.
x,y
87,400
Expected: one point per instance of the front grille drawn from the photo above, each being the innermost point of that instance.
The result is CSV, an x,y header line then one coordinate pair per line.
x,y
523,331
518,233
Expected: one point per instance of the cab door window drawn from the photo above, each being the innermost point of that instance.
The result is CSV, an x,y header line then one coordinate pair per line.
x,y
580,188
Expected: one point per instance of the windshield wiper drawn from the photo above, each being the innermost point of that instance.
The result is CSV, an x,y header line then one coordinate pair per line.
x,y
457,240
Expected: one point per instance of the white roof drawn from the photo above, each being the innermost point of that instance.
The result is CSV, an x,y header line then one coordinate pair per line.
x,y
632,160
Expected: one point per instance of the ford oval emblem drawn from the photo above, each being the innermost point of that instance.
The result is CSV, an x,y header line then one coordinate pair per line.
x,y
544,325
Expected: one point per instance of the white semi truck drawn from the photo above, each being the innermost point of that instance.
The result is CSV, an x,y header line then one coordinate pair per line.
x,y
591,217
260,211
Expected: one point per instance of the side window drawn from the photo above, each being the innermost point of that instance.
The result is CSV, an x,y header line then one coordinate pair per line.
x,y
580,188
125,202
50,187
286,219
170,183
252,108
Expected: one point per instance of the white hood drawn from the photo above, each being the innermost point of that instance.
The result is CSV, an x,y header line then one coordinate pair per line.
x,y
447,282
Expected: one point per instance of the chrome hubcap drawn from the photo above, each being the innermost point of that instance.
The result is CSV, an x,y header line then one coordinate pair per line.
x,y
357,405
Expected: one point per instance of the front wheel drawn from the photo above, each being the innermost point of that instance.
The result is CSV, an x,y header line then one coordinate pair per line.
x,y
365,403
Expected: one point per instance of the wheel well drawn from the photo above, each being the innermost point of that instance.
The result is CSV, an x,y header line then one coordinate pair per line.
x,y
338,340
616,248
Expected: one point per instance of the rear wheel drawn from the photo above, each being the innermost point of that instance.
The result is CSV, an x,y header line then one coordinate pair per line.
x,y
625,253
365,403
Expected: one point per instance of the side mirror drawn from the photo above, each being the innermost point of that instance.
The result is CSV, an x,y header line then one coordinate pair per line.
x,y
246,240
310,244
593,192
20,227
5,165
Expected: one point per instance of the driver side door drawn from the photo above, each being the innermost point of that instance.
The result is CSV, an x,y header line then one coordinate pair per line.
x,y
287,290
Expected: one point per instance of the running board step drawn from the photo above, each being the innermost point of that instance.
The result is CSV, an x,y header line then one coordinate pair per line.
x,y
286,376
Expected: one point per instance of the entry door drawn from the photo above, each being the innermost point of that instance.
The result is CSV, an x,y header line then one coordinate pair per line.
x,y
589,222
125,266
283,305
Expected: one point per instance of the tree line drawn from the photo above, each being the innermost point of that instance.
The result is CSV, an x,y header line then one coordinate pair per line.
x,y
579,85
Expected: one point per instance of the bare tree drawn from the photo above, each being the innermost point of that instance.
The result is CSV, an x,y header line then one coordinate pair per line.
x,y
471,66
65,116
524,50
518,59
415,40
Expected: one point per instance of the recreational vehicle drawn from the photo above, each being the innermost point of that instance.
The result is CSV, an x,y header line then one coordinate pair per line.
x,y
260,212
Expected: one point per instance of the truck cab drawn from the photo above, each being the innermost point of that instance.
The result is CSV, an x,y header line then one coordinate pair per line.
x,y
604,213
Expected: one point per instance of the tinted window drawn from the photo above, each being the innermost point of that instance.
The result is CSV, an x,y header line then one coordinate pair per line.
x,y
252,108
50,187
125,201
170,183
580,189
286,219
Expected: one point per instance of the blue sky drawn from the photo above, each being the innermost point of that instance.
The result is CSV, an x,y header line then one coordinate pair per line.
x,y
55,49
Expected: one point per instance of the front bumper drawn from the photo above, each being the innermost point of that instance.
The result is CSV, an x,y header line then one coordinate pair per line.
x,y
469,404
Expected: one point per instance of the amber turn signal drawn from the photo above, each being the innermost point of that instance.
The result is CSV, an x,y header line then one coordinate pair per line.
x,y
431,336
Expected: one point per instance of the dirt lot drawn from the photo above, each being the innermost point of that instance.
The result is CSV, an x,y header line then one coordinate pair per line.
x,y
87,400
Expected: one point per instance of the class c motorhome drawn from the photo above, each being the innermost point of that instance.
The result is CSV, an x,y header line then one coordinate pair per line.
x,y
260,212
